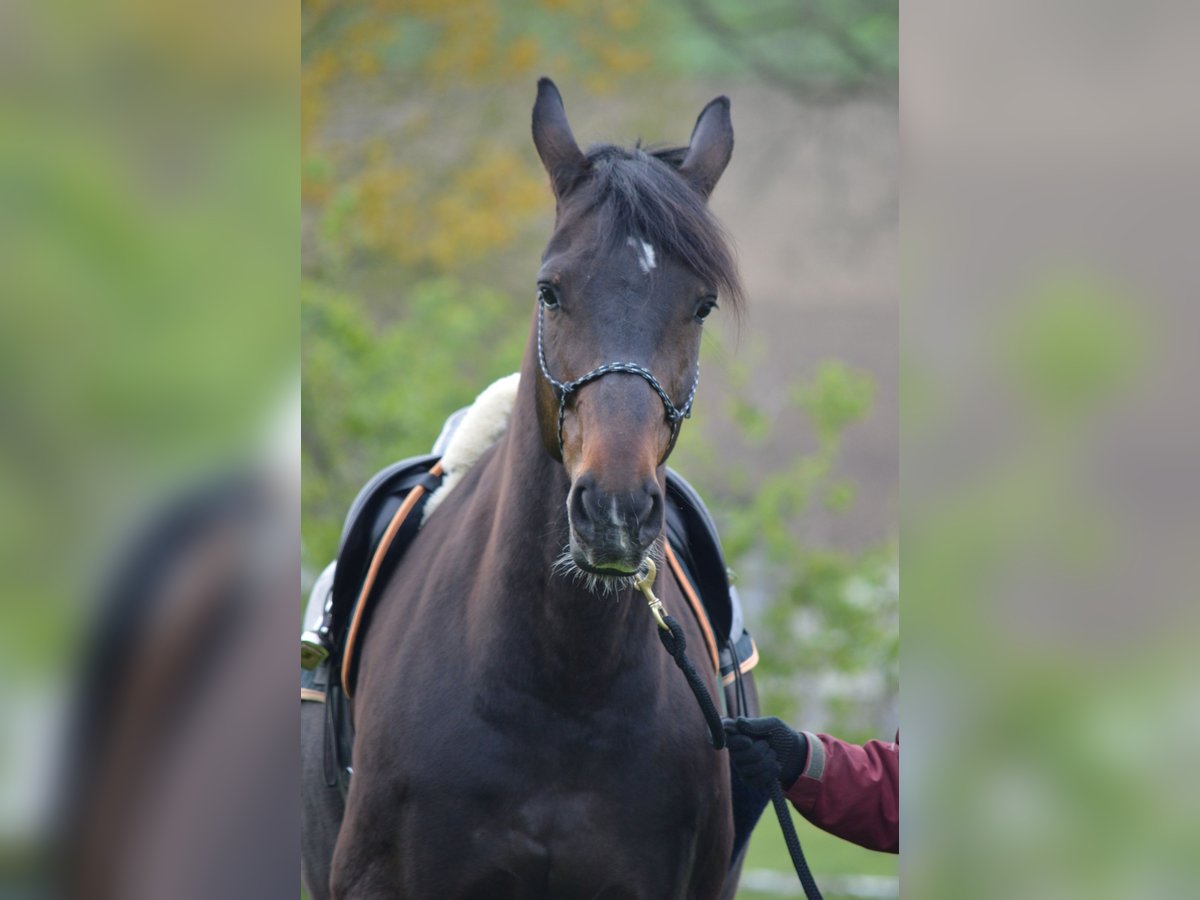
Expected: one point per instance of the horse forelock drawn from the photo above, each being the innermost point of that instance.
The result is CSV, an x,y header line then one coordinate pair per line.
x,y
638,193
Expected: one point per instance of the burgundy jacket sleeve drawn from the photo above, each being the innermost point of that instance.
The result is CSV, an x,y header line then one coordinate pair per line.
x,y
851,791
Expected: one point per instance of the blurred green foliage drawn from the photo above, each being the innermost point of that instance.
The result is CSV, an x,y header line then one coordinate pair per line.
x,y
147,201
1071,341
815,51
1056,717
828,610
378,390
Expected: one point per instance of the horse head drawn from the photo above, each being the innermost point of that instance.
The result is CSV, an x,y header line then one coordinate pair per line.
x,y
635,264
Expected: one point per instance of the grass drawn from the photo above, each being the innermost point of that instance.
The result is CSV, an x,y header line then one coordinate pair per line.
x,y
826,855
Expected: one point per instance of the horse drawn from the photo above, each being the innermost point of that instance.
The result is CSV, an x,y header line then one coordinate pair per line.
x,y
520,733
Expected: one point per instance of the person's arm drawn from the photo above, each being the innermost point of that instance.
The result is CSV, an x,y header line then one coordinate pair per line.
x,y
848,790
851,791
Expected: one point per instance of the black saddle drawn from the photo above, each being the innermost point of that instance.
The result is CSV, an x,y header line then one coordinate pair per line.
x,y
370,514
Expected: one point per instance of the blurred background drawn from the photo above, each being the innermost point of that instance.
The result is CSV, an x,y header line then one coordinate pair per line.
x,y
149,445
1051,504
425,211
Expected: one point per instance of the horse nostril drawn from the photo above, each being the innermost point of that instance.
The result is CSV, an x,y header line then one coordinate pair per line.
x,y
581,517
650,512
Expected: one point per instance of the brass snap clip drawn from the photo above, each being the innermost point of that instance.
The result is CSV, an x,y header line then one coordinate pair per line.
x,y
645,584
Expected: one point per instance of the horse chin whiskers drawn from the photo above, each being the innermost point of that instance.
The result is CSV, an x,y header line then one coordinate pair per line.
x,y
602,585
597,585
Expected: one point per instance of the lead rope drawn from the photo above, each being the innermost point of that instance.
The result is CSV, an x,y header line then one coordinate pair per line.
x,y
672,639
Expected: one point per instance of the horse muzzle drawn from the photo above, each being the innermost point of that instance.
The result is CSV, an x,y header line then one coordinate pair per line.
x,y
612,530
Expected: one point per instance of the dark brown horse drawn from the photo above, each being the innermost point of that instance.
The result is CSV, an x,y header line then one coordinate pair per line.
x,y
521,732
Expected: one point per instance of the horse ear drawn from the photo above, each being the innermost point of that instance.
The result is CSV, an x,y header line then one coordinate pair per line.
x,y
561,156
710,148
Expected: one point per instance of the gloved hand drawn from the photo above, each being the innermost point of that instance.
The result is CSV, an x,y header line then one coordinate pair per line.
x,y
765,750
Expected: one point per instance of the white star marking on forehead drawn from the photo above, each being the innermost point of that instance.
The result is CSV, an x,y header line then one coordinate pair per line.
x,y
646,260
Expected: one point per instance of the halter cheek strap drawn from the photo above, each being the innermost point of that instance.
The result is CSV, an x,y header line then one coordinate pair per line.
x,y
675,414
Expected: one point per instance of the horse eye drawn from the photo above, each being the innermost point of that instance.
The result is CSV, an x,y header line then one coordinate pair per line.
x,y
706,306
547,297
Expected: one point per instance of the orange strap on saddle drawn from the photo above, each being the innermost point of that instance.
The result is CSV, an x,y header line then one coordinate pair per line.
x,y
697,608
710,641
414,497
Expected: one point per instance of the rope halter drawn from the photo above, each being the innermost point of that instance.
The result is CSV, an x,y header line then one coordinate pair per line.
x,y
675,414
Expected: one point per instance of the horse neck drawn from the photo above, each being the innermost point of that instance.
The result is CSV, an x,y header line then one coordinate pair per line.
x,y
570,630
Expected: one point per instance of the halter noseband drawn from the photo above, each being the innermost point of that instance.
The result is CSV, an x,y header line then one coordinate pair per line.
x,y
675,414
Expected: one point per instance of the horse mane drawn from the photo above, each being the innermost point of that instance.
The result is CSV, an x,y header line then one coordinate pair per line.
x,y
639,192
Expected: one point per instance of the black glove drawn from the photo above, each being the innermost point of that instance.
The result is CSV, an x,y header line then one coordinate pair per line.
x,y
765,750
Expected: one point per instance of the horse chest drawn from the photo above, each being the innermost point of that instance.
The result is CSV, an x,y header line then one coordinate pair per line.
x,y
551,842
553,808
